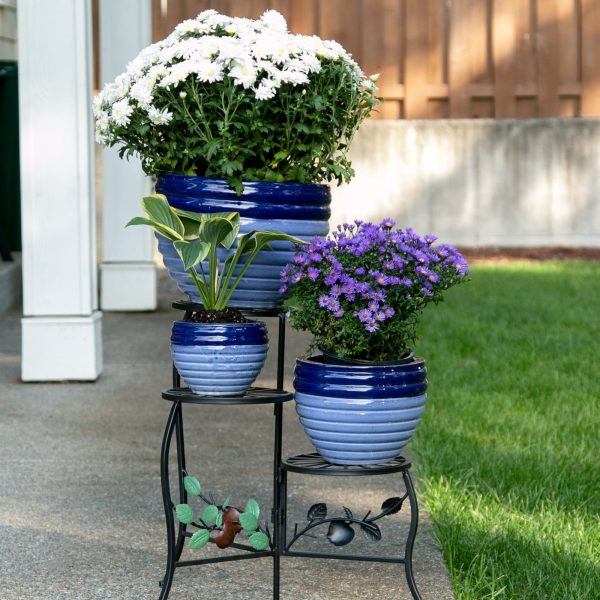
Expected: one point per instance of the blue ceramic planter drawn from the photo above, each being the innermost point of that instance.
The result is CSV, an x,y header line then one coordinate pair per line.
x,y
219,359
301,210
360,414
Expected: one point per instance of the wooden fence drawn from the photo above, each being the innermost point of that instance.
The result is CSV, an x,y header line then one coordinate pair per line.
x,y
449,58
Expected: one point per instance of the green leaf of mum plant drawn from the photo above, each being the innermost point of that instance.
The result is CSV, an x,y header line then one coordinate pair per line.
x,y
199,539
249,522
259,540
209,514
192,485
184,513
252,507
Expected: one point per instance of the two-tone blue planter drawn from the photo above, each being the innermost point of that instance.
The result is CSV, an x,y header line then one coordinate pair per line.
x,y
219,359
360,413
301,210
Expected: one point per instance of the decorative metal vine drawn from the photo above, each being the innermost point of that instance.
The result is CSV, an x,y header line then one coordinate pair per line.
x,y
226,520
340,531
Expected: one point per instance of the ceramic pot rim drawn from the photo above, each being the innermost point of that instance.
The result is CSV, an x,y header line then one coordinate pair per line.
x,y
248,183
317,360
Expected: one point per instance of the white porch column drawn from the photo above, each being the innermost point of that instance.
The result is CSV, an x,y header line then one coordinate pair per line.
x,y
127,273
61,327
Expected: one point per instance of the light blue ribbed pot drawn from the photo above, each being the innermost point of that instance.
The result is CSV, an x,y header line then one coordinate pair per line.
x,y
301,210
360,414
219,359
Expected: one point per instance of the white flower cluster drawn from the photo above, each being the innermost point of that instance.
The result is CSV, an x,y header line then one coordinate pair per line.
x,y
257,55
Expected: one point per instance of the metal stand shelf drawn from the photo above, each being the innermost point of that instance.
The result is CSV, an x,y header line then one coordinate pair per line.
x,y
305,464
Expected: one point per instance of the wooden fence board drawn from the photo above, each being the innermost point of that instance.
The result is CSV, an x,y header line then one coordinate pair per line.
x,y
449,58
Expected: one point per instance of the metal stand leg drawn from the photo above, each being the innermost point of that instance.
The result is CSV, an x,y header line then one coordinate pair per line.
x,y
412,533
277,471
172,422
181,470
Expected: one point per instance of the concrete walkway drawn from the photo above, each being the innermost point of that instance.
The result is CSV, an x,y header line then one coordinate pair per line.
x,y
80,506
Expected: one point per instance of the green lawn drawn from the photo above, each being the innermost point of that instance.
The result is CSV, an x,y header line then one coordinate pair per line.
x,y
509,450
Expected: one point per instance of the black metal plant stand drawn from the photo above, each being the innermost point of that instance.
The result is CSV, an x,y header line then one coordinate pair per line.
x,y
340,530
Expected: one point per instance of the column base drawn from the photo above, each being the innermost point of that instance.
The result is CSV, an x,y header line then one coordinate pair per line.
x,y
128,286
62,348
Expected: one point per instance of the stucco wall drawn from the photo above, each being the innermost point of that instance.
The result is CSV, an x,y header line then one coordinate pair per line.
x,y
8,29
479,182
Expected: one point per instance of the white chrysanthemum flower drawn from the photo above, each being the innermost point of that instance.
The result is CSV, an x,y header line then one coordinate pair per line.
x,y
178,72
293,77
209,71
205,14
274,20
208,46
232,49
266,90
160,117
188,47
121,112
243,73
188,26
141,91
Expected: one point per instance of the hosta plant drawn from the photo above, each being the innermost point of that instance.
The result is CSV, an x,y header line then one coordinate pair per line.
x,y
220,523
238,99
362,290
201,237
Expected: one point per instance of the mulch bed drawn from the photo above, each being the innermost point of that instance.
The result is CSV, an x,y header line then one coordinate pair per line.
x,y
477,255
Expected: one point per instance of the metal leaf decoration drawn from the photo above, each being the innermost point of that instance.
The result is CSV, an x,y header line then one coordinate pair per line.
x,y
348,513
192,485
248,521
317,511
199,539
340,533
392,505
259,540
371,531
184,513
209,514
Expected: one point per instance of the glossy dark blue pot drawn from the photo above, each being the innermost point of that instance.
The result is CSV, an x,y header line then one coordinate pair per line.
x,y
297,209
360,414
219,359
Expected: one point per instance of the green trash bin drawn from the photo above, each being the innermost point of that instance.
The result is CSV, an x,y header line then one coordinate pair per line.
x,y
10,186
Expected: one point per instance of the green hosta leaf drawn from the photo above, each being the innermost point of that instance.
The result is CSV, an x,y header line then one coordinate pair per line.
x,y
219,519
188,214
157,209
214,230
210,514
199,539
192,485
230,238
184,513
156,226
249,522
191,253
259,540
252,507
263,238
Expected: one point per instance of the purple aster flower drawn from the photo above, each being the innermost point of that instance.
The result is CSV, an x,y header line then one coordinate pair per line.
x,y
371,326
315,257
388,223
323,301
380,316
430,238
373,306
283,289
335,290
389,311
359,271
339,313
313,273
296,277
406,282
364,315
333,304
331,278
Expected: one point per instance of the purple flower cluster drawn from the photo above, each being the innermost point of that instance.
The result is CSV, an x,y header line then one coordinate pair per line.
x,y
368,271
